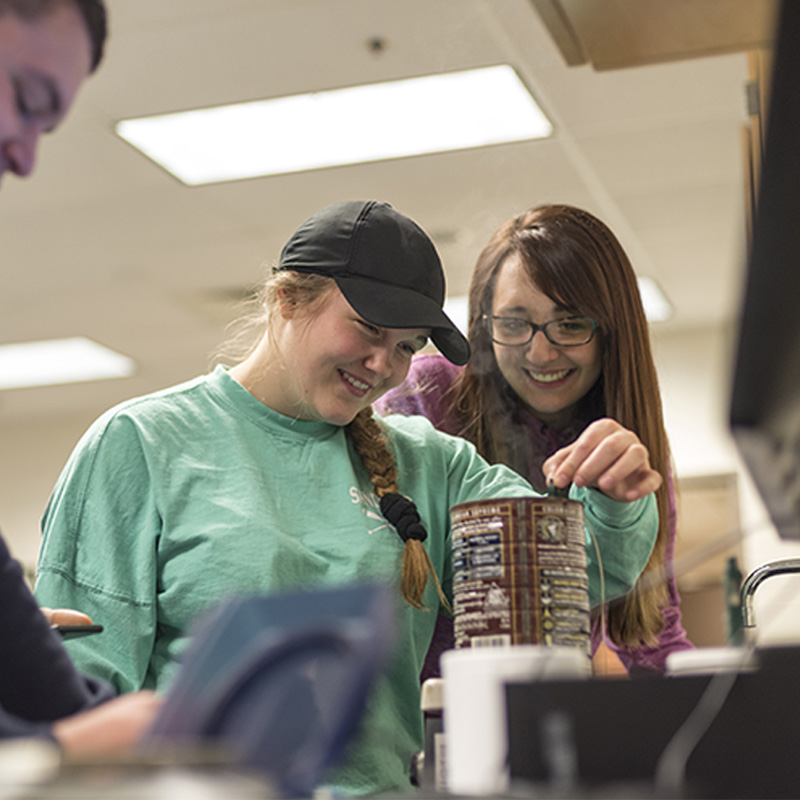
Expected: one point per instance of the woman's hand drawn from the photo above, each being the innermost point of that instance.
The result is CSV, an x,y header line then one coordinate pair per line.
x,y
608,457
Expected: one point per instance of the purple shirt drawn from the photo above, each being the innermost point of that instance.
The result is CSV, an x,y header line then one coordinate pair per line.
x,y
423,392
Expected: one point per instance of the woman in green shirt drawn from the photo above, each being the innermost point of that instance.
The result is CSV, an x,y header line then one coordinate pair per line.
x,y
273,474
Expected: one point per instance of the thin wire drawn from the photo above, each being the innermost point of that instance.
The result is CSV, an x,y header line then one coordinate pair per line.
x,y
602,582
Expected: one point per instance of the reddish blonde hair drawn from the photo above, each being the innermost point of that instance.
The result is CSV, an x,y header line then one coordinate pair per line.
x,y
308,292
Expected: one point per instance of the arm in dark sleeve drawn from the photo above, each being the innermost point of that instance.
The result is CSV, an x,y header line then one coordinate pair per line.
x,y
38,681
14,727
443,639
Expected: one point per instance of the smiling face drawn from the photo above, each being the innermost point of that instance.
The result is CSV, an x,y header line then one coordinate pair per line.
x,y
43,63
550,380
335,363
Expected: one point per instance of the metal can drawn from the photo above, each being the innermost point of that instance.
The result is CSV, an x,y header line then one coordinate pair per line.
x,y
519,573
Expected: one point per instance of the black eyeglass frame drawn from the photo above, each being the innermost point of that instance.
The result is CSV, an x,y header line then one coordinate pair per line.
x,y
488,318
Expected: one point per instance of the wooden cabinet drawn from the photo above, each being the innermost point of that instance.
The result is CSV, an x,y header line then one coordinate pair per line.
x,y
611,34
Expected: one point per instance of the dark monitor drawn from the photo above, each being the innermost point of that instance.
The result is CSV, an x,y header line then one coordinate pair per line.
x,y
765,402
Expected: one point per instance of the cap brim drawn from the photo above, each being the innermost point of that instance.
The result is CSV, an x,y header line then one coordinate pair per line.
x,y
398,307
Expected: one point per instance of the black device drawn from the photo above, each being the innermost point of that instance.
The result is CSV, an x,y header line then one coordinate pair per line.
x,y
73,631
765,400
614,731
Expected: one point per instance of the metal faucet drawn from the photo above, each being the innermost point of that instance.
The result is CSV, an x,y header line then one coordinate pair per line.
x,y
754,580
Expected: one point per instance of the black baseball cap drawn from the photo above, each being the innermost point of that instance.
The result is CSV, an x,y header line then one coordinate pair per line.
x,y
385,265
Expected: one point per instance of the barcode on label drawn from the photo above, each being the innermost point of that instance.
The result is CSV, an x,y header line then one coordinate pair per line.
x,y
491,641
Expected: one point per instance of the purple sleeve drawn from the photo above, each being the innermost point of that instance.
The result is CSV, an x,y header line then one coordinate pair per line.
x,y
647,660
38,681
443,639
423,392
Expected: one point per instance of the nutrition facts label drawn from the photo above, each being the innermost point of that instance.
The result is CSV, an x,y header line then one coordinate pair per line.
x,y
520,573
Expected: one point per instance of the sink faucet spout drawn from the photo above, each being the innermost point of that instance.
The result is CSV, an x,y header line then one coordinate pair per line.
x,y
756,578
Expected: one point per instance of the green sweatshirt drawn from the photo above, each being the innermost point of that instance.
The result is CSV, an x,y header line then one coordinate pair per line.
x,y
176,500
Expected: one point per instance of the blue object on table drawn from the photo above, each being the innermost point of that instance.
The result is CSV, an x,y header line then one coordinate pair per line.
x,y
282,680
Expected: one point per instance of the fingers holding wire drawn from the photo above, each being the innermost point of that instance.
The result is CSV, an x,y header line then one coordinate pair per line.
x,y
608,457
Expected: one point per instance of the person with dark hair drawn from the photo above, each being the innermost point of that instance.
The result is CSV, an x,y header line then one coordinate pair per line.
x,y
560,348
273,474
47,49
92,12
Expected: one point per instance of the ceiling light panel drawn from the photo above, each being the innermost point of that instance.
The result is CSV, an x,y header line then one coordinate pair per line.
x,y
57,361
430,114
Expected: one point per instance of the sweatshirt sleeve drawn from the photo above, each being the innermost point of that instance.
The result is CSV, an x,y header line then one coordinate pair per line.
x,y
38,681
100,534
621,537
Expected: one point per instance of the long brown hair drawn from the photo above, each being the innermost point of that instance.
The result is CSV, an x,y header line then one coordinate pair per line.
x,y
573,258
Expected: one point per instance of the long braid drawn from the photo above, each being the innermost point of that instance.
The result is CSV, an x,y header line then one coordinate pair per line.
x,y
373,449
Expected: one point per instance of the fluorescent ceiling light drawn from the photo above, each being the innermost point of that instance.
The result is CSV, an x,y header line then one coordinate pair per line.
x,y
431,114
59,361
656,306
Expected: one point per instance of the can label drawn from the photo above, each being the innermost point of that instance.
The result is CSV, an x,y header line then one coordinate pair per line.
x,y
519,573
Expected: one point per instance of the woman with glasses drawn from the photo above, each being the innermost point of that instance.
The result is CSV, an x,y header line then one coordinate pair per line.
x,y
560,359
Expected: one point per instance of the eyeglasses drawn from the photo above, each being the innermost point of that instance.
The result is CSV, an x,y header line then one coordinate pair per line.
x,y
564,332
